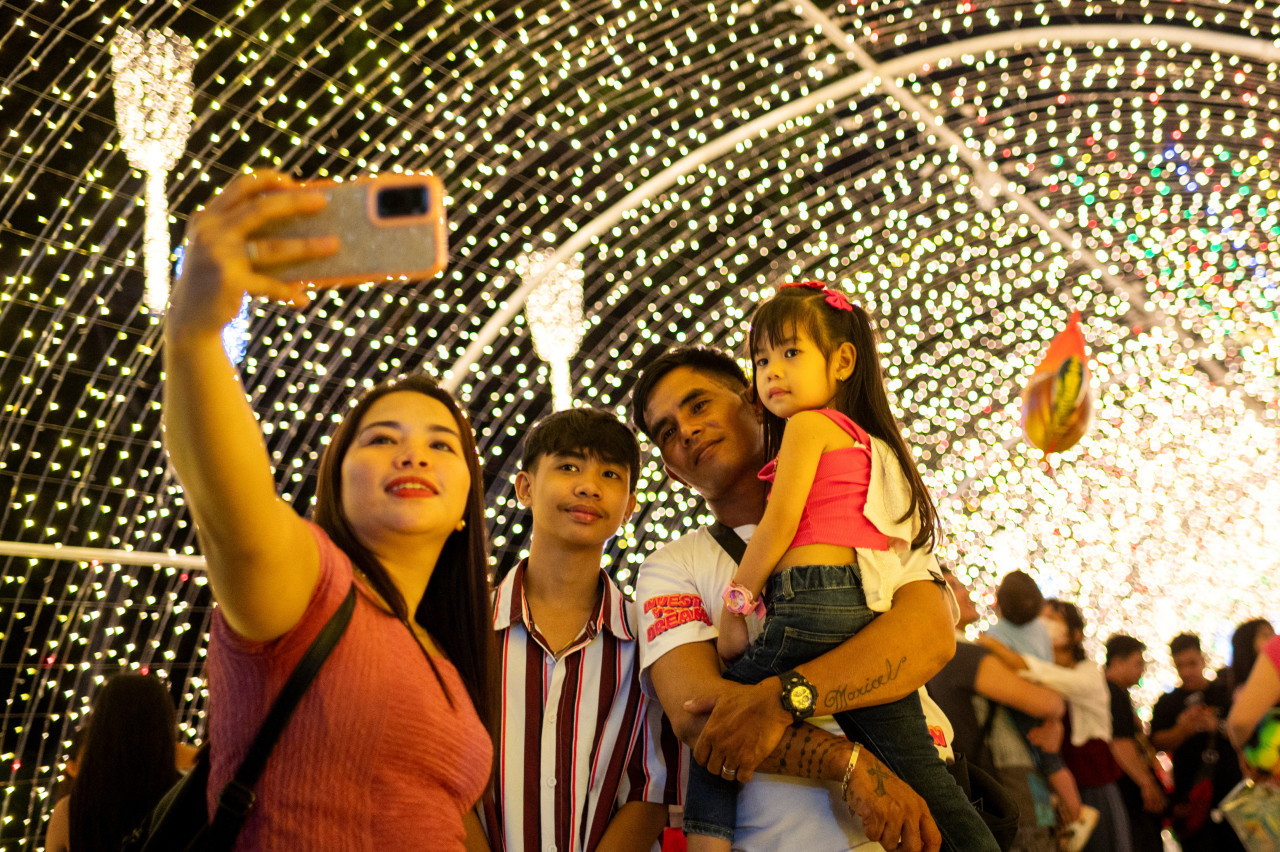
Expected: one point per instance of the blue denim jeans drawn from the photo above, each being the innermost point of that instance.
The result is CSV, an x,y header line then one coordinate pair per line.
x,y
812,609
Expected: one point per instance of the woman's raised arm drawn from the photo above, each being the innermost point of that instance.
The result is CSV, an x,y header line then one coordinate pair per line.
x,y
262,562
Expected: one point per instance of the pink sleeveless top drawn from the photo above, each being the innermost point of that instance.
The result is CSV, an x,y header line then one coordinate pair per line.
x,y
835,510
375,757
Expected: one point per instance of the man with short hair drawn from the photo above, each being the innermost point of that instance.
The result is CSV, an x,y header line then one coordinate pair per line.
x,y
695,405
583,754
1141,791
1186,724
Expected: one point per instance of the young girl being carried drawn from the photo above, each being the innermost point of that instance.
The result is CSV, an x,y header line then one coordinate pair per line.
x,y
849,522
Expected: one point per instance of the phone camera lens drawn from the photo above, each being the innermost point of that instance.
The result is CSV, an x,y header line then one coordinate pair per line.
x,y
403,201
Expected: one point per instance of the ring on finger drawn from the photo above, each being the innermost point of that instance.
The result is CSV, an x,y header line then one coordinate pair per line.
x,y
728,773
251,250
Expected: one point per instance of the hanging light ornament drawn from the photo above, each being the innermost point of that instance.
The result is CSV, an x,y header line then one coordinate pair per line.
x,y
1057,403
152,84
554,309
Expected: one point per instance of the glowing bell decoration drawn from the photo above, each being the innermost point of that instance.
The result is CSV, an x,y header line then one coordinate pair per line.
x,y
1057,403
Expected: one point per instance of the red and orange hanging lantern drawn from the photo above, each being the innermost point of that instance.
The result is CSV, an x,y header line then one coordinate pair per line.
x,y
1057,403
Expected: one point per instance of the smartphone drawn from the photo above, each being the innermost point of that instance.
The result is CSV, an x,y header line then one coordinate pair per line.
x,y
391,227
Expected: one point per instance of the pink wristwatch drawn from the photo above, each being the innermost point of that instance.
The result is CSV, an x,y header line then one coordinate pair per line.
x,y
739,600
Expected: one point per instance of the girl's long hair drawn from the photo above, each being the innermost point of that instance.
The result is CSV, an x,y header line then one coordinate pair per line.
x,y
455,607
126,764
862,397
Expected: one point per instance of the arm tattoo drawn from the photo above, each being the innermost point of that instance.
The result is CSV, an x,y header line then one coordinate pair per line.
x,y
845,694
802,752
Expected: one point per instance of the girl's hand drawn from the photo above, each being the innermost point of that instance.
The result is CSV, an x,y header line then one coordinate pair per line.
x,y
219,265
733,640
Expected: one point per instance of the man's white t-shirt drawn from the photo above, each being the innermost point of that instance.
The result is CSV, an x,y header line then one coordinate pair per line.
x,y
677,586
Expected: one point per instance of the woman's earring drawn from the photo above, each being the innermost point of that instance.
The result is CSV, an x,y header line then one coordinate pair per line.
x,y
462,525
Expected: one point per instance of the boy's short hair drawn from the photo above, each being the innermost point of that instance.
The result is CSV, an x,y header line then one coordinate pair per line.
x,y
1121,646
713,362
1019,598
1184,642
590,431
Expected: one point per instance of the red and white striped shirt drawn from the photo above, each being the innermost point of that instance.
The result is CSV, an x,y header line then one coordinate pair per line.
x,y
579,737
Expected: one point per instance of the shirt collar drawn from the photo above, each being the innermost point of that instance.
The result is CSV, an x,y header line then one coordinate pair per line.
x,y
511,607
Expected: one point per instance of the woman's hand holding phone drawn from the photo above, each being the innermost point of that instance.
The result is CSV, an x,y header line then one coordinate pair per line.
x,y
222,262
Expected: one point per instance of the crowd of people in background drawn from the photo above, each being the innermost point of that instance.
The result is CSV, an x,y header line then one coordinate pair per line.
x,y
544,710
1126,794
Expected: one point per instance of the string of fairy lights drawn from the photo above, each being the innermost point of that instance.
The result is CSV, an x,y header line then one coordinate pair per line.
x,y
1157,157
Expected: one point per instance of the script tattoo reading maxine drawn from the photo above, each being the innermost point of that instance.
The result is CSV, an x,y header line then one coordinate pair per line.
x,y
673,610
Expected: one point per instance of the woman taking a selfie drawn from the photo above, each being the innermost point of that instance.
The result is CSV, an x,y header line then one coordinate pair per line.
x,y
389,744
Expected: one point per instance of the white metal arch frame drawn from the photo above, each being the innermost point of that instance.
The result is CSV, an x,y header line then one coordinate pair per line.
x,y
882,77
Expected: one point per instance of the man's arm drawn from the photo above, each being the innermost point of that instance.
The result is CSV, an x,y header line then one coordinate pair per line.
x,y
1125,751
997,682
890,658
889,809
634,828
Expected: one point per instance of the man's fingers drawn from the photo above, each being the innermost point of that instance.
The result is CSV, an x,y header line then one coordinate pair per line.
x,y
873,827
701,705
892,837
930,835
701,751
911,841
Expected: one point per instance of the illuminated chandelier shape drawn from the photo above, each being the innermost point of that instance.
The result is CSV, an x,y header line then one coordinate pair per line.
x,y
152,83
554,309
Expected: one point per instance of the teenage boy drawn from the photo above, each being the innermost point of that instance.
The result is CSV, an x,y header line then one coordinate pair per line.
x,y
694,404
582,757
1142,792
1186,724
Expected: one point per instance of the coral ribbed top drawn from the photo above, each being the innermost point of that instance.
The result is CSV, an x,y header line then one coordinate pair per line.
x,y
835,512
374,758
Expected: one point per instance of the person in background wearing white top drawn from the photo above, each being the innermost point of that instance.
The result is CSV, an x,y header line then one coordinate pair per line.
x,y
694,404
1087,749
581,754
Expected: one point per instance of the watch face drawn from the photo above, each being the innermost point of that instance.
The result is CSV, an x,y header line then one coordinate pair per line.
x,y
735,601
801,697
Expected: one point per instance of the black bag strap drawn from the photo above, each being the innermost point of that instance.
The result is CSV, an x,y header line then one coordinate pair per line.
x,y
982,758
237,798
729,540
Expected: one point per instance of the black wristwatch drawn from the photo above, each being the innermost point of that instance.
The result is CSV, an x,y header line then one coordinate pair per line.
x,y
799,697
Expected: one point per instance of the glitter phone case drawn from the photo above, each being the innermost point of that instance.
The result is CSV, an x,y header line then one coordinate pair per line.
x,y
392,227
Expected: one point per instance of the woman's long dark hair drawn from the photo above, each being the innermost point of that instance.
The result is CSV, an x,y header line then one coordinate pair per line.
x,y
127,762
1075,625
455,607
1243,654
862,397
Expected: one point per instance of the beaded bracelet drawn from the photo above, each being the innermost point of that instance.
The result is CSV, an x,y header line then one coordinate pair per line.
x,y
848,770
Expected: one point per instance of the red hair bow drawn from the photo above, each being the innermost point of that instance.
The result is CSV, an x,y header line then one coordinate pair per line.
x,y
834,298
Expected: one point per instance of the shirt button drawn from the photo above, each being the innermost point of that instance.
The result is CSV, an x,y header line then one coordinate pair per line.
x,y
551,782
